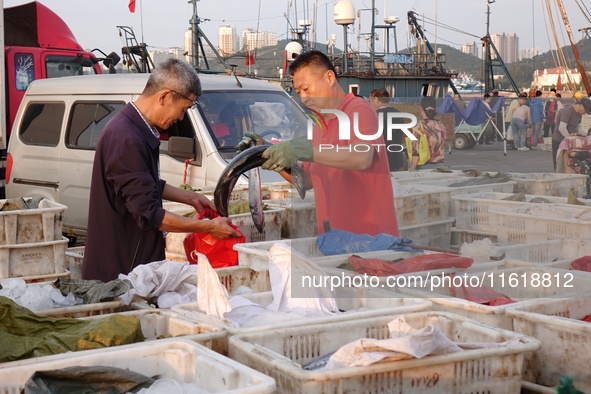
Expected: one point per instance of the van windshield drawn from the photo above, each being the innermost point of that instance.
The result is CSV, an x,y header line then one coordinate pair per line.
x,y
272,115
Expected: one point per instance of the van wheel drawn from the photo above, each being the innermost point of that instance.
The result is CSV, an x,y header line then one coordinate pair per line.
x,y
461,142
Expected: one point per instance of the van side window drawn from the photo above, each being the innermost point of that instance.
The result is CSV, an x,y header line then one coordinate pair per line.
x,y
87,121
42,124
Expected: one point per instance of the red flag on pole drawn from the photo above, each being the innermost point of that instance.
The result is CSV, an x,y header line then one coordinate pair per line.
x,y
558,83
131,5
249,61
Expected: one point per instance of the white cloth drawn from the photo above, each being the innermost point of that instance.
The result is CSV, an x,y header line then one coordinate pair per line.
x,y
163,277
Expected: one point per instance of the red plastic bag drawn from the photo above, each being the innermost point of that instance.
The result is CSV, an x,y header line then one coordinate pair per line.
x,y
219,252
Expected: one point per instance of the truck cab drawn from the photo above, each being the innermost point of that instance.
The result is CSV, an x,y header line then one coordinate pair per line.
x,y
38,45
60,120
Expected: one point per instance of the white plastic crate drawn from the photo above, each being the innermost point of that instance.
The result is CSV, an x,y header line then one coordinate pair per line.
x,y
96,309
434,234
516,226
472,210
566,340
549,184
33,259
409,177
550,253
74,260
517,283
256,254
502,187
298,220
459,236
281,353
419,204
24,226
357,303
180,359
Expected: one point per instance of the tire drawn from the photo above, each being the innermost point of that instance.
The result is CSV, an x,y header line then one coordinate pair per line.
x,y
461,142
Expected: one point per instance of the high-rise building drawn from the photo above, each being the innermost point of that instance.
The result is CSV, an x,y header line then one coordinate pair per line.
x,y
228,40
470,48
529,53
507,45
252,39
188,45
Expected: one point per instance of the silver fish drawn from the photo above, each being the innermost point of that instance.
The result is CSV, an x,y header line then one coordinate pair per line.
x,y
319,363
255,198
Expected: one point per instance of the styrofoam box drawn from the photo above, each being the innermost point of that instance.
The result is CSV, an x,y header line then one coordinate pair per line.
x,y
517,283
33,259
358,303
472,210
281,353
180,359
419,204
566,340
298,220
256,254
433,234
549,184
516,226
502,187
42,224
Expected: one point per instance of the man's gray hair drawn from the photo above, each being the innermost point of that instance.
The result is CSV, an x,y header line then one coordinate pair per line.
x,y
174,74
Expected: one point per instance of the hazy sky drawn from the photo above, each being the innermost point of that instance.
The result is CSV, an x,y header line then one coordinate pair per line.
x,y
161,23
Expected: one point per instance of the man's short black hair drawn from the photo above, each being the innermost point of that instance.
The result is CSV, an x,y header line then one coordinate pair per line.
x,y
312,58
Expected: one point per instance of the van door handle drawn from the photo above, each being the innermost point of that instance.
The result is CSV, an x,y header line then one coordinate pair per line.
x,y
33,182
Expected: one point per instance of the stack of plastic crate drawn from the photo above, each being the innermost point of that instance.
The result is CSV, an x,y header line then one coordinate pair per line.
x,y
31,243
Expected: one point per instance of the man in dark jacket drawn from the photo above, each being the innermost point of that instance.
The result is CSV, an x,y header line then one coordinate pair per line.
x,y
397,158
126,219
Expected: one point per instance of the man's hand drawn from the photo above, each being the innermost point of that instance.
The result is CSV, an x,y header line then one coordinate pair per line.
x,y
251,139
221,229
202,203
287,153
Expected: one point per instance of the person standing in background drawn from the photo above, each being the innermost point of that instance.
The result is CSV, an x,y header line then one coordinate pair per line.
x,y
551,108
519,123
430,130
536,107
379,99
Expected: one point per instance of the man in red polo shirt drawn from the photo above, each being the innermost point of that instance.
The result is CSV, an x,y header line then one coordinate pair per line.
x,y
350,176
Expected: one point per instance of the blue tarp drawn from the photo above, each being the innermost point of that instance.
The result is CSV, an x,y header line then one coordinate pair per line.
x,y
476,111
343,242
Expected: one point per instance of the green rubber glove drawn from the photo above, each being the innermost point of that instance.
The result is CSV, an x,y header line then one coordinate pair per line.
x,y
287,153
251,139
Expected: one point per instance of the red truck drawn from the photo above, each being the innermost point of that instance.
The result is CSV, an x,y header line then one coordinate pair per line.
x,y
38,44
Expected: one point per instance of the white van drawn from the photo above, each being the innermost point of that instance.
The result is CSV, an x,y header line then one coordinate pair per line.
x,y
51,148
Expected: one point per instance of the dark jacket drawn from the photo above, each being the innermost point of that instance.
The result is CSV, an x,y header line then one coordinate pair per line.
x,y
125,209
396,160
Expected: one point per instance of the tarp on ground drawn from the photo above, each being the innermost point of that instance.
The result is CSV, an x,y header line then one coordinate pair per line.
x,y
23,334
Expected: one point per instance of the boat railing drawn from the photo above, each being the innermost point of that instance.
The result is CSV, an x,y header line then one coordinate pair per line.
x,y
392,64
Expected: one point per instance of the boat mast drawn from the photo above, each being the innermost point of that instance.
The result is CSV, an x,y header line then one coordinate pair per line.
x,y
574,47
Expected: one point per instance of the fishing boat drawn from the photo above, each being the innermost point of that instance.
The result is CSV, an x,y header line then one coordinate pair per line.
x,y
406,74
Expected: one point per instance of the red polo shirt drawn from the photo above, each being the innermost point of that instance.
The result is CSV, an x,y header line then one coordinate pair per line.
x,y
361,202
